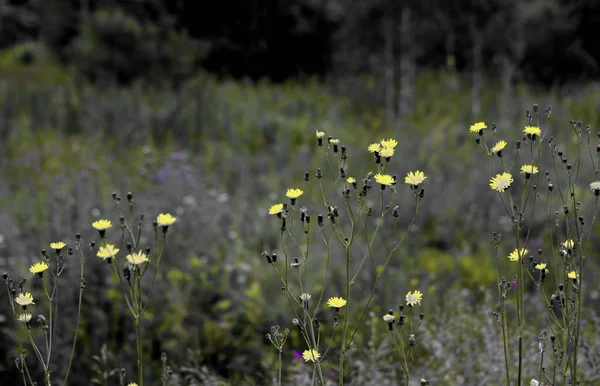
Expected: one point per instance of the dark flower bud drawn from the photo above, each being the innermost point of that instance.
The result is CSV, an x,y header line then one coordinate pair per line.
x,y
129,197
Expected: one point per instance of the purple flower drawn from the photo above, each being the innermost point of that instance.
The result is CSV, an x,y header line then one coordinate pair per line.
x,y
298,354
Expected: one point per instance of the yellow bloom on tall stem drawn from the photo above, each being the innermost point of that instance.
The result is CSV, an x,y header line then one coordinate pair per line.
x,y
390,143
501,182
311,355
415,178
57,246
517,254
499,146
24,299
165,219
293,194
374,147
107,252
477,127
276,209
137,258
336,303
532,130
414,298
101,226
38,268
384,179
529,169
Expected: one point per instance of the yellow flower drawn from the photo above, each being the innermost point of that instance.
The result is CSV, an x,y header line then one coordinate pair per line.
x,y
334,141
374,147
320,134
107,252
137,258
336,303
389,143
517,254
529,169
132,384
24,299
311,355
351,180
389,318
568,244
501,182
165,219
276,209
57,245
414,178
38,267
413,298
384,179
477,127
386,152
540,266
572,275
499,146
532,130
595,186
102,225
25,317
293,193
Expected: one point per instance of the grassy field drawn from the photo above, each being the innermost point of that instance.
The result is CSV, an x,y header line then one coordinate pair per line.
x,y
218,154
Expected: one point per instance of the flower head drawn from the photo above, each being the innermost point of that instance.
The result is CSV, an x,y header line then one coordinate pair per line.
x,y
477,127
500,145
336,302
534,382
165,219
334,141
311,355
319,134
517,254
568,244
276,209
293,193
305,296
351,180
374,147
58,246
132,384
107,252
386,152
414,178
102,225
38,267
384,179
540,266
24,317
595,187
137,258
391,143
413,298
532,130
501,182
572,275
388,318
529,169
24,299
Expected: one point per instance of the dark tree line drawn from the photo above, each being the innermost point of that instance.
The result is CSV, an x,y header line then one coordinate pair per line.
x,y
547,41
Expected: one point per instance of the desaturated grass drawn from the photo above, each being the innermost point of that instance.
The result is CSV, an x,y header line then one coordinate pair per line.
x,y
216,154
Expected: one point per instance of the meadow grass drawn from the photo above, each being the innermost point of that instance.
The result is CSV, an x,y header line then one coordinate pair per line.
x,y
219,154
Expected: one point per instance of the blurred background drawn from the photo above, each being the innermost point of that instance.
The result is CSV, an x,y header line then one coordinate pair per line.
x,y
208,110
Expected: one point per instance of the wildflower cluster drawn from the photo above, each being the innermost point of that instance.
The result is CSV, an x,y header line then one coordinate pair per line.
x,y
343,216
555,270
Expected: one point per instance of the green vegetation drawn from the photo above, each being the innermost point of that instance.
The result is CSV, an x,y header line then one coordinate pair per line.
x,y
217,155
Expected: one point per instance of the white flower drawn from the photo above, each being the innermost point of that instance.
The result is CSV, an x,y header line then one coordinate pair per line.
x,y
534,383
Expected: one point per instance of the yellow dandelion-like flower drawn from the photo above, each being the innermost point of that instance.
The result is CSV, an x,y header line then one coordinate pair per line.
x,y
294,193
384,179
132,384
386,152
311,355
336,302
58,245
517,254
165,219
374,147
137,258
320,134
24,317
24,299
415,178
501,182
351,180
107,252
389,318
102,225
540,266
477,127
572,275
413,298
499,146
276,209
529,169
38,267
568,244
392,143
334,141
595,186
532,130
